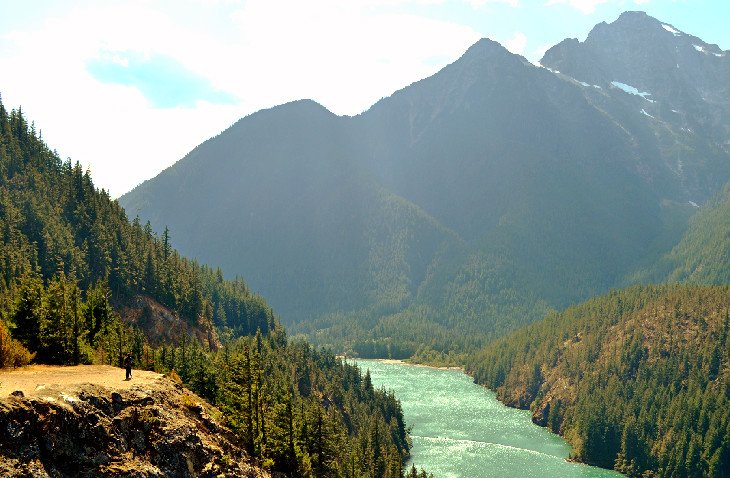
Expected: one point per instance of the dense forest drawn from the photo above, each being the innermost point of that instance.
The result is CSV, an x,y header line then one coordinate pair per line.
x,y
637,380
70,251
297,409
70,261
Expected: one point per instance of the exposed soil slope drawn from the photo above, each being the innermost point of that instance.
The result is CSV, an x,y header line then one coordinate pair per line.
x,y
88,421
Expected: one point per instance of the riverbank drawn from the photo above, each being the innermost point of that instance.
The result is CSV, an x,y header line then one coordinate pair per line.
x,y
414,364
404,362
460,430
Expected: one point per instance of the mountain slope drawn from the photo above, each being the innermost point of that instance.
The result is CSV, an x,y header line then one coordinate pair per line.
x,y
62,239
637,380
311,230
71,263
677,78
702,256
469,202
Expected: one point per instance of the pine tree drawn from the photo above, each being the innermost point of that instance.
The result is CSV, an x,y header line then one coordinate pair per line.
x,y
28,312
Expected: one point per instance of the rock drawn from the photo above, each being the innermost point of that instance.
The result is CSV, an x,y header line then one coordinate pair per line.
x,y
117,402
540,414
116,433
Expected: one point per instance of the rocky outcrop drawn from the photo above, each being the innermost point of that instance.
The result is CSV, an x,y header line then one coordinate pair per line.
x,y
150,430
161,325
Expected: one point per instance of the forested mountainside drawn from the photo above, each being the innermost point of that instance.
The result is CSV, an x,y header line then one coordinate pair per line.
x,y
637,380
71,262
468,203
702,256
66,242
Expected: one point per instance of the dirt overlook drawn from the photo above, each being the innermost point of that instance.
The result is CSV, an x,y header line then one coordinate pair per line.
x,y
88,421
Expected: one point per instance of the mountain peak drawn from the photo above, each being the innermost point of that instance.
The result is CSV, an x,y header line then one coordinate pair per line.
x,y
306,104
304,110
485,45
635,15
487,49
486,61
634,42
676,69
487,55
631,18
629,25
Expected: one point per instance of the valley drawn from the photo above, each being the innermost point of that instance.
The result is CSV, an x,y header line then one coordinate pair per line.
x,y
488,216
557,230
466,204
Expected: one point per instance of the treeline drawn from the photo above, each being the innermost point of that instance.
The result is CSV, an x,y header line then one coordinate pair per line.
x,y
420,332
638,380
69,259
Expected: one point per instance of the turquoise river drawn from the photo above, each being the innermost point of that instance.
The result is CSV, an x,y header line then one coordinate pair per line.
x,y
460,430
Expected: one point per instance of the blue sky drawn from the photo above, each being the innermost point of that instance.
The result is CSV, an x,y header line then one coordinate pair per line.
x,y
157,77
164,81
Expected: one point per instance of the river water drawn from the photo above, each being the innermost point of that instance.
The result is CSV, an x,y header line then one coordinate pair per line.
x,y
460,430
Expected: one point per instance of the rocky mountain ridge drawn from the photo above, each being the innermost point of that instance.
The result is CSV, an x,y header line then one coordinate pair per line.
x,y
676,81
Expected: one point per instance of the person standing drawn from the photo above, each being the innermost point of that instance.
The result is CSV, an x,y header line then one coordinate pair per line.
x,y
128,366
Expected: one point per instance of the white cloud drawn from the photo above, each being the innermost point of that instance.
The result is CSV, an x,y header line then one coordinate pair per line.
x,y
111,129
539,52
517,43
342,54
346,55
584,6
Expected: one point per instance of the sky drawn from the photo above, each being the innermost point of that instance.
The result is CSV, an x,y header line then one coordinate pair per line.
x,y
127,88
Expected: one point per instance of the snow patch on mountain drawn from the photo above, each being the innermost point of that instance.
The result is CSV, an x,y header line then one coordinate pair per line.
x,y
671,30
647,114
702,49
564,76
631,90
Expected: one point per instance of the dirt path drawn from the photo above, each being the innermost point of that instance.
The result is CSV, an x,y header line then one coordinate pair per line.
x,y
42,380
